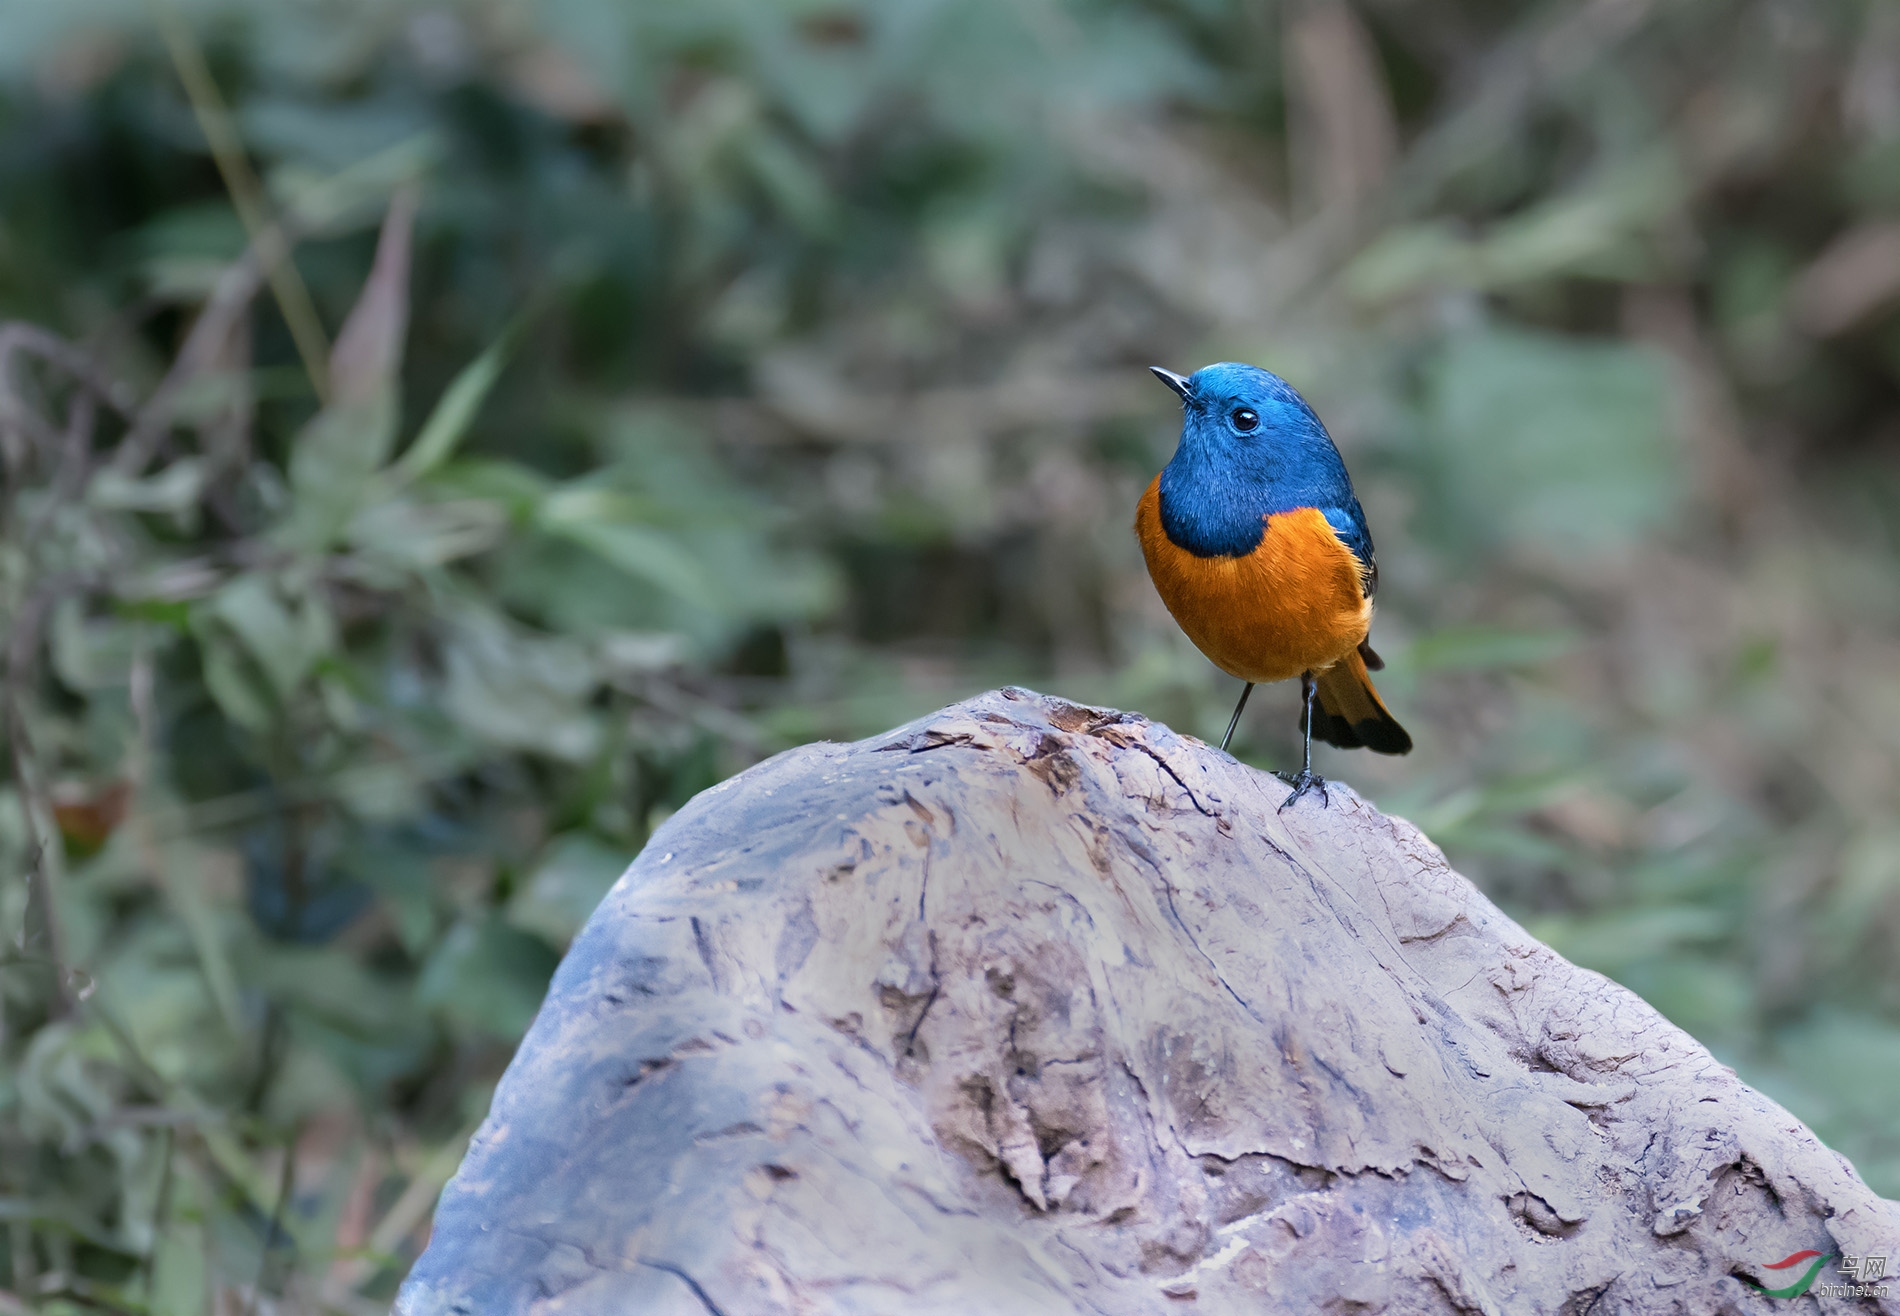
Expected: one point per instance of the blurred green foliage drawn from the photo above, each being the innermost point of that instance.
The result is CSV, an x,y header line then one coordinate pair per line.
x,y
709,377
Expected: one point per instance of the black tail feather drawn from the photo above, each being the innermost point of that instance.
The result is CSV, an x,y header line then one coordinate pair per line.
x,y
1350,714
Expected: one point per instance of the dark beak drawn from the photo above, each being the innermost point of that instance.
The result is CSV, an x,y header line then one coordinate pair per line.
x,y
1176,382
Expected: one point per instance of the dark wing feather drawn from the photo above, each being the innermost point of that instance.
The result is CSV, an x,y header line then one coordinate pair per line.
x,y
1349,523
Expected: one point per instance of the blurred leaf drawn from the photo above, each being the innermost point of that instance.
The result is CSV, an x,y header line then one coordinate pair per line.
x,y
488,977
181,1284
184,869
520,691
368,351
1869,881
512,485
1836,1071
574,874
208,230
1562,446
306,1086
320,134
453,414
327,984
287,642
174,615
1613,941
1486,648
607,524
631,652
798,189
156,985
1404,259
1591,230
401,876
175,488
333,466
405,536
91,652
228,678
337,455
355,195
1712,1000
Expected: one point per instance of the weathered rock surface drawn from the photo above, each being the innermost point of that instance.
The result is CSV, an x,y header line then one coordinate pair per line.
x,y
1031,1008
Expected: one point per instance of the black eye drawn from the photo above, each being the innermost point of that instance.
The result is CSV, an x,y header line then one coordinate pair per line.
x,y
1246,420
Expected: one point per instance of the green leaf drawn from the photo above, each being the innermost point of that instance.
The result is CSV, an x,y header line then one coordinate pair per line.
x,y
368,352
488,977
1614,940
401,876
181,1283
1836,1070
174,489
336,458
575,872
604,522
453,414
511,484
1710,999
404,536
172,613
90,653
1561,446
286,643
1487,648
521,691
1599,228
642,651
364,1023
334,462
1406,258
185,867
308,1084
238,695
331,203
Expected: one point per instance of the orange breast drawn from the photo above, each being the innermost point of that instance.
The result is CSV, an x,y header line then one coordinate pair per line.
x,y
1292,605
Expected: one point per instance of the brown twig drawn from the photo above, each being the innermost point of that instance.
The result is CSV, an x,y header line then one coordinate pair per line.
x,y
408,1213
73,465
1545,52
286,1183
235,288
161,1214
82,365
247,195
17,338
41,934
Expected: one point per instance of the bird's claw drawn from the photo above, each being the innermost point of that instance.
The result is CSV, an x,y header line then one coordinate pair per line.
x,y
1302,782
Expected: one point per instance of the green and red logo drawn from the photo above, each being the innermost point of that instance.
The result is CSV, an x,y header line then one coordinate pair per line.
x,y
1801,1285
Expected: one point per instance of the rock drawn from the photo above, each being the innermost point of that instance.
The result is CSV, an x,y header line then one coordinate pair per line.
x,y
1032,1008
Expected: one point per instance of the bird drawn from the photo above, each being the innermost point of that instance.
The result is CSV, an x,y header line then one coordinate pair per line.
x,y
1257,544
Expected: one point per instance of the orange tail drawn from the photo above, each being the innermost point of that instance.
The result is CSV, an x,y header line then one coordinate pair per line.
x,y
1351,714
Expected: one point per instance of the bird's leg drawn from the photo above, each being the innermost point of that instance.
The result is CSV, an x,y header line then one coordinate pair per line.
x,y
1308,688
1308,779
1234,721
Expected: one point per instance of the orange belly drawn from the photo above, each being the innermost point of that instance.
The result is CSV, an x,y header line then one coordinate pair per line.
x,y
1294,604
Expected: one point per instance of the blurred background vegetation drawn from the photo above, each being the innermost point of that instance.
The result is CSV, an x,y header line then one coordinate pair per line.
x,y
655,385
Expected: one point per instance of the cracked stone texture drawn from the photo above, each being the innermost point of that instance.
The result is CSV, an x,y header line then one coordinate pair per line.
x,y
1034,1008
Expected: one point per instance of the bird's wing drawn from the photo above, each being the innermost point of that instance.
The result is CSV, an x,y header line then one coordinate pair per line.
x,y
1349,523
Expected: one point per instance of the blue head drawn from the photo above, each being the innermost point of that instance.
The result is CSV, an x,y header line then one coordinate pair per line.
x,y
1250,447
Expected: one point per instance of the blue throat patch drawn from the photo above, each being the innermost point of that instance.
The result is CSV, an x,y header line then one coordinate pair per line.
x,y
1223,483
